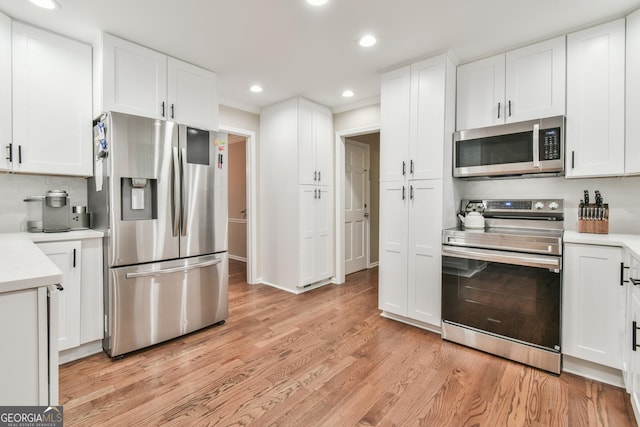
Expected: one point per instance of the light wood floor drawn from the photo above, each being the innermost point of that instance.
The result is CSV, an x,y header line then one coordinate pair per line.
x,y
325,358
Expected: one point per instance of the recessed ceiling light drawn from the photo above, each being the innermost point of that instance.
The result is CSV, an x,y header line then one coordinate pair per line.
x,y
347,93
367,40
46,4
317,2
256,88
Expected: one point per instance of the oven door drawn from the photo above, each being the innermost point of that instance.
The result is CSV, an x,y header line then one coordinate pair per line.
x,y
508,294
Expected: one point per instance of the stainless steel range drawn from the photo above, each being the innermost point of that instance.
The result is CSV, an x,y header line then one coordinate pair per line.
x,y
502,284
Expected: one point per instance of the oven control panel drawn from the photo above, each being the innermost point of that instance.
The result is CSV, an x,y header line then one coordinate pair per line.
x,y
513,206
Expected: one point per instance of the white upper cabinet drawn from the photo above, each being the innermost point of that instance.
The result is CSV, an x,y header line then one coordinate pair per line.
x,y
522,84
52,130
412,108
133,79
315,143
632,141
5,91
595,101
192,94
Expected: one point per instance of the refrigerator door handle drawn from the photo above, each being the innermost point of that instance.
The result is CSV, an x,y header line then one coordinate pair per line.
x,y
150,273
175,199
183,189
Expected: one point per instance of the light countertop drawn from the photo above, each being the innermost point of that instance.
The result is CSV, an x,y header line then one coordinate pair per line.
x,y
24,266
627,241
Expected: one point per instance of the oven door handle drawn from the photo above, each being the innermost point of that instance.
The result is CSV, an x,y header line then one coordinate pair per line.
x,y
504,257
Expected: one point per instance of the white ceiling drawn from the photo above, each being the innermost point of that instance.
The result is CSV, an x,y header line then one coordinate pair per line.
x,y
292,48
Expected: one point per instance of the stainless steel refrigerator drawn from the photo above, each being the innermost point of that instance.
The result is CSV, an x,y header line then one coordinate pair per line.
x,y
159,193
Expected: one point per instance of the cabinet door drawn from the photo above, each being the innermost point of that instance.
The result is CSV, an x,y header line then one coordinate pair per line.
x,y
52,129
535,81
595,101
192,95
323,144
395,106
480,93
307,172
5,91
634,353
426,143
424,251
307,252
91,307
324,234
593,304
67,257
632,140
134,79
393,248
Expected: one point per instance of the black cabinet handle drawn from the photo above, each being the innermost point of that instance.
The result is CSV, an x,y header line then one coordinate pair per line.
x,y
498,110
74,258
403,193
573,159
172,111
622,267
404,168
20,154
411,192
411,168
509,108
59,287
10,148
319,176
634,340
162,105
636,282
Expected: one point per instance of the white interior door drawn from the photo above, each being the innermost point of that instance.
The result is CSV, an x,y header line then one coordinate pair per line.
x,y
356,206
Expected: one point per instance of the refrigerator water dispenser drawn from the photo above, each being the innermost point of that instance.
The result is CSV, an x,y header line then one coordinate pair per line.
x,y
139,199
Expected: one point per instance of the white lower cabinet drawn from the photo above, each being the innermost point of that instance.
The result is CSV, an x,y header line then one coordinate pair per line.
x,y
80,303
24,360
410,249
316,239
631,342
593,304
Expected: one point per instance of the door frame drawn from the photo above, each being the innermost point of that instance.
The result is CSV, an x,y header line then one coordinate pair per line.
x,y
251,187
341,136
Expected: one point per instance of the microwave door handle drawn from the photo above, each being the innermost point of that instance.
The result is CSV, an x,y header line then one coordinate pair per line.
x,y
536,146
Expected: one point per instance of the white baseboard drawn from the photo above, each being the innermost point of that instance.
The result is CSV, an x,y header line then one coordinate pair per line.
x,y
592,370
237,258
71,354
412,322
373,265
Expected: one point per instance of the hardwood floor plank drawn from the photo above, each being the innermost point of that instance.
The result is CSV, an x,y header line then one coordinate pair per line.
x,y
325,358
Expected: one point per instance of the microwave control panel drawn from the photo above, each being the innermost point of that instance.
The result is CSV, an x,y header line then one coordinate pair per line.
x,y
550,147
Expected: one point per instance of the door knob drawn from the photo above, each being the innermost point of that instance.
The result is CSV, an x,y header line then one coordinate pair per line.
x,y
366,214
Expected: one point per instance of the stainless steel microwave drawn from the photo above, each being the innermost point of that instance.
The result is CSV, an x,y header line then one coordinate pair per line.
x,y
522,148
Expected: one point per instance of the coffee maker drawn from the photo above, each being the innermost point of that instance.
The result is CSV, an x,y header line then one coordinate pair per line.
x,y
55,214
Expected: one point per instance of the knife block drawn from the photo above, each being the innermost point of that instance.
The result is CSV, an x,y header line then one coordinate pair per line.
x,y
592,225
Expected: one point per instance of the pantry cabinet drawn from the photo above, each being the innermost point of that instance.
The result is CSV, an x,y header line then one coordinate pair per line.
x,y
297,239
51,103
522,84
410,249
5,92
133,79
632,140
417,117
595,126
593,306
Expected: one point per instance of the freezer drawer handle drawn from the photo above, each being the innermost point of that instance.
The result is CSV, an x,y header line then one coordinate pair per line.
x,y
173,269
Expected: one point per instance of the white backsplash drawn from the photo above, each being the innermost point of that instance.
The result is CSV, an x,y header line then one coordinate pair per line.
x,y
622,195
15,187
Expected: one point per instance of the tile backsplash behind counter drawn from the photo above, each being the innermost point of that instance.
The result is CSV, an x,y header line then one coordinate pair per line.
x,y
15,187
622,195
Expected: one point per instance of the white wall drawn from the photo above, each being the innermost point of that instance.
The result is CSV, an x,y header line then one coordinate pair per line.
x,y
622,194
15,187
354,119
